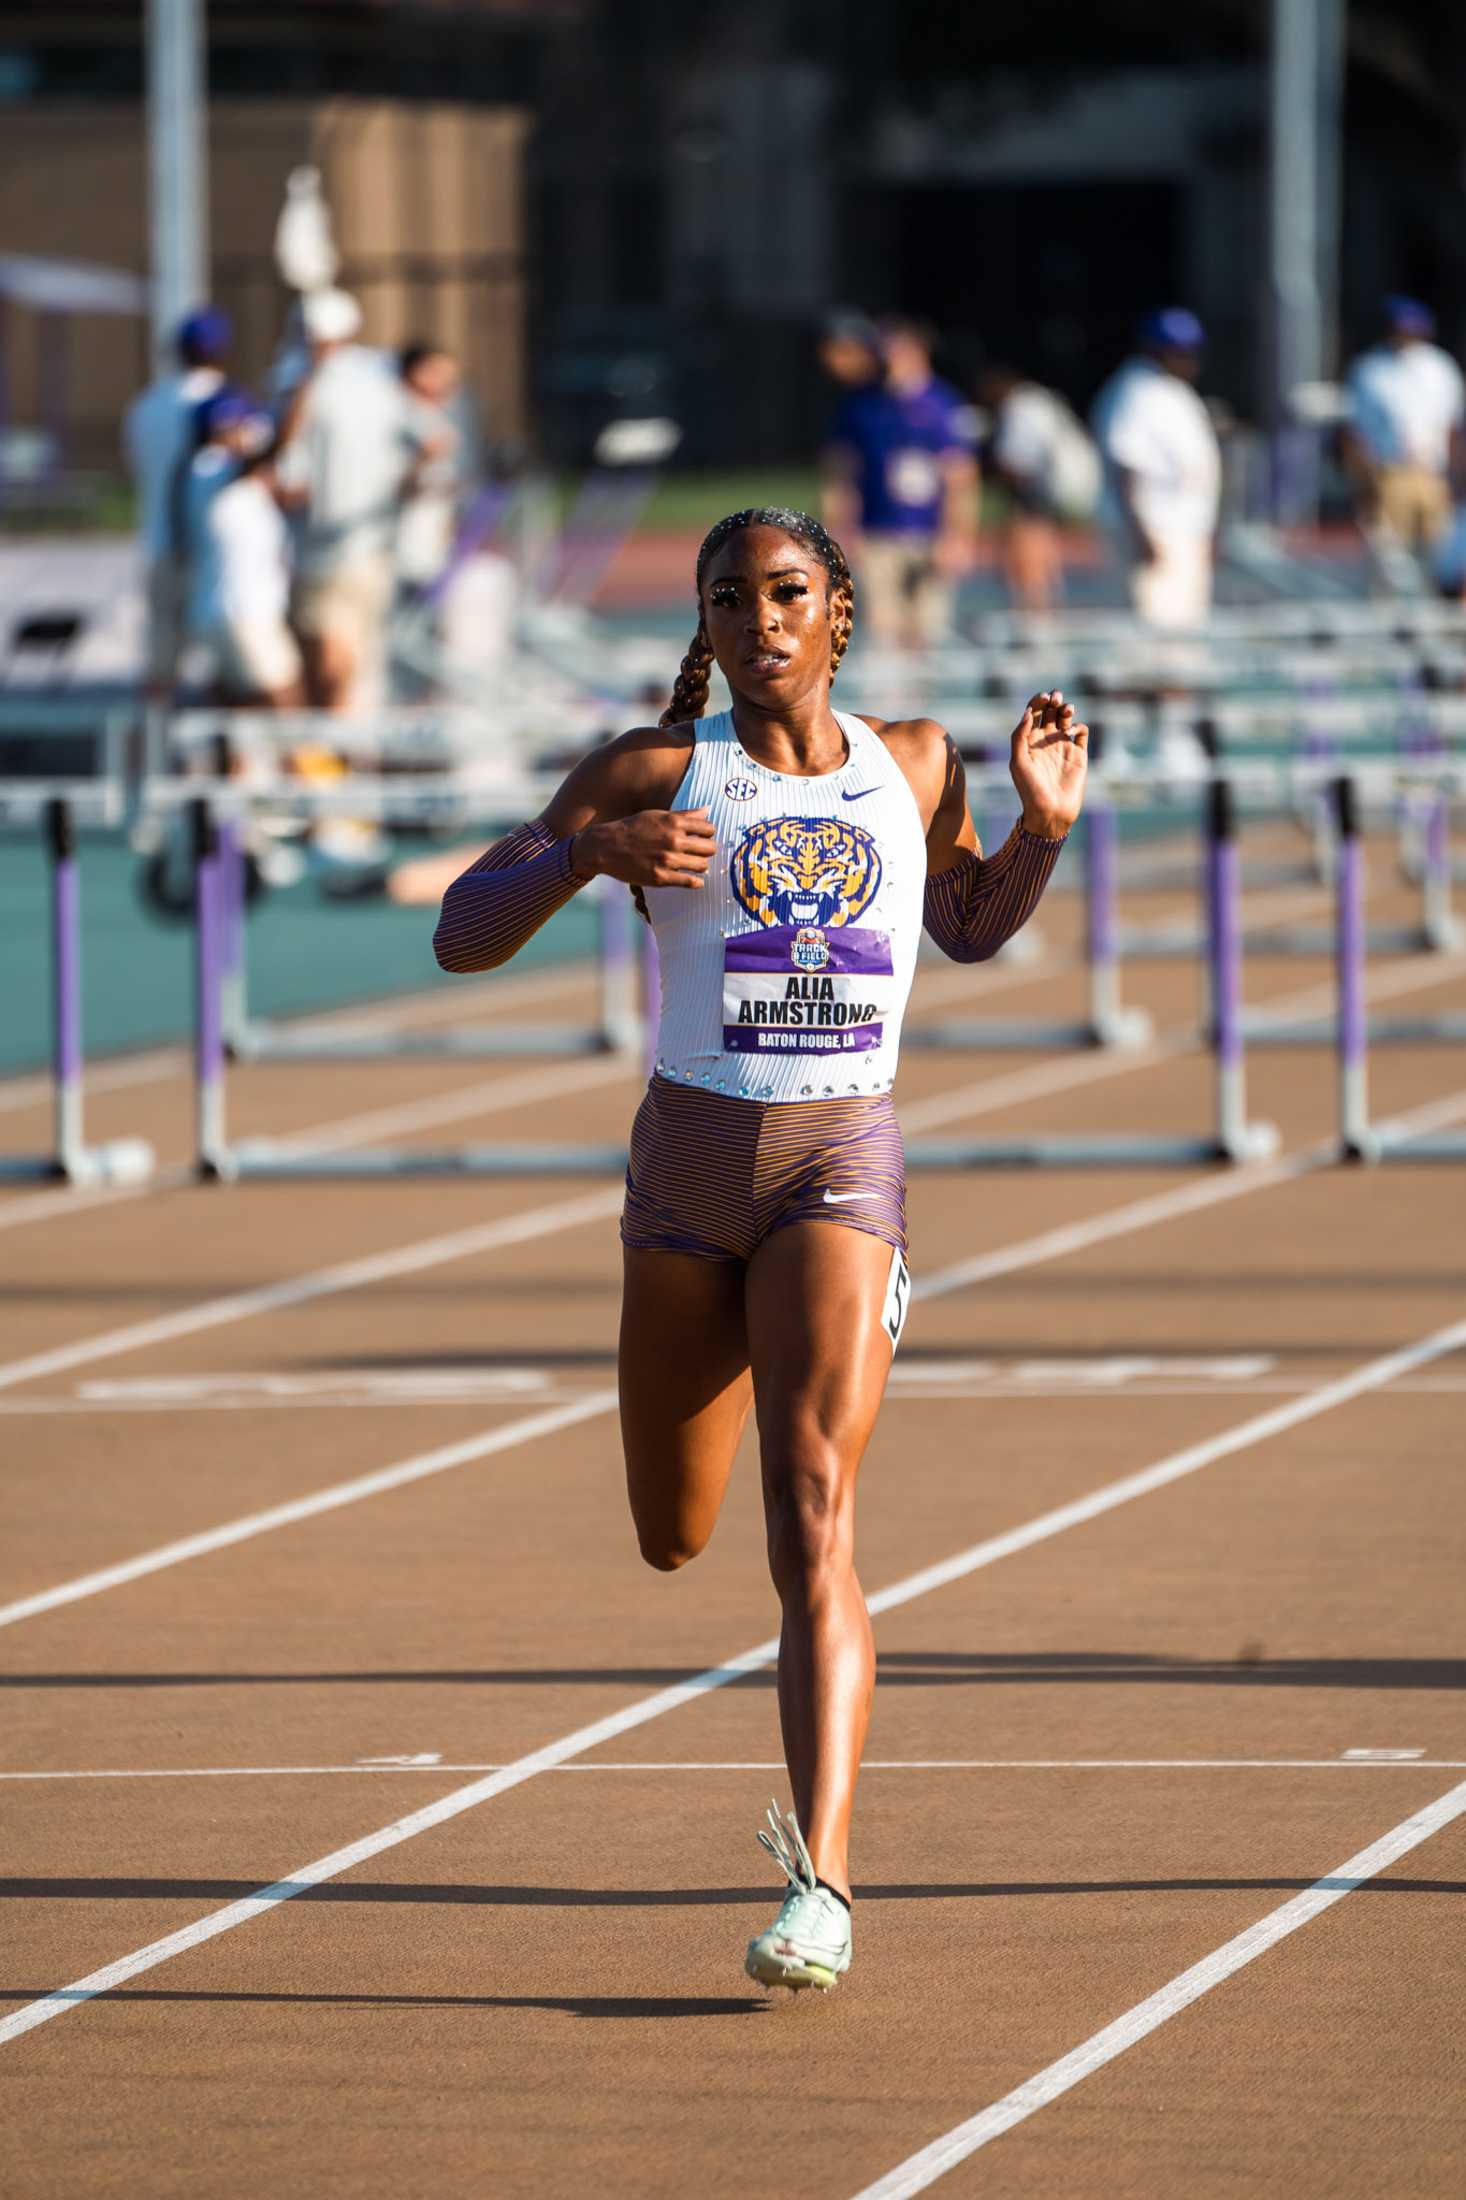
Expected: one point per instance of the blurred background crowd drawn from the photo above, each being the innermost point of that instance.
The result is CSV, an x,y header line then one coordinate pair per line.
x,y
1047,310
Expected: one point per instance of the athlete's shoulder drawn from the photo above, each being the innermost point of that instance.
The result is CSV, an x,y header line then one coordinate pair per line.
x,y
910,739
646,759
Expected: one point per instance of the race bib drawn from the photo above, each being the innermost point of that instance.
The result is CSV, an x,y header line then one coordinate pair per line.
x,y
913,477
799,989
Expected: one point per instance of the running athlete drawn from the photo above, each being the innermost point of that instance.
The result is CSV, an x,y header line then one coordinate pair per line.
x,y
787,855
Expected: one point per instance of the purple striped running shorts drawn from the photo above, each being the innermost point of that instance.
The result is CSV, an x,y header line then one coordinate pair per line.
x,y
714,1175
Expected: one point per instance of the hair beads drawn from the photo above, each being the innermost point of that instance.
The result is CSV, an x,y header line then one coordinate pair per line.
x,y
690,694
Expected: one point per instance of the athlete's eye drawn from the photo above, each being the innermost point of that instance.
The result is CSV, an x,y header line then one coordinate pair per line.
x,y
725,595
788,590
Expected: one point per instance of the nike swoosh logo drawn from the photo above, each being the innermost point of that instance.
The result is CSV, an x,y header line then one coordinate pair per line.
x,y
838,1199
860,797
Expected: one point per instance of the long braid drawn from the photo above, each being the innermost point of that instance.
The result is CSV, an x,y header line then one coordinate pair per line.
x,y
690,694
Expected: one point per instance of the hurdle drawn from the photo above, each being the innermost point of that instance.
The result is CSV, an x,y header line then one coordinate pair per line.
x,y
71,1160
616,1029
1235,1138
1107,1023
218,1160
1352,1031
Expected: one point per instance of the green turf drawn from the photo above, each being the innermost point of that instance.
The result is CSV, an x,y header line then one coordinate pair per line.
x,y
304,954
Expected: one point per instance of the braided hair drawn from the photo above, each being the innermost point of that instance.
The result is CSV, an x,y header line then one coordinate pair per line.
x,y
690,694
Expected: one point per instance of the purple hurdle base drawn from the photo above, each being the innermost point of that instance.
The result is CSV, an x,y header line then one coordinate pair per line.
x,y
71,1160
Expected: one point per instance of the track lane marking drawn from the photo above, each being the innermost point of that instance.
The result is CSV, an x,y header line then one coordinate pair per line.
x,y
1403,1761
958,2145
243,1530
1372,1375
1031,1252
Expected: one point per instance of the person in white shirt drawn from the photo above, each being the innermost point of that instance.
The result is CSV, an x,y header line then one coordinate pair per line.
x,y
158,437
1163,470
349,446
429,513
1041,456
238,549
1407,412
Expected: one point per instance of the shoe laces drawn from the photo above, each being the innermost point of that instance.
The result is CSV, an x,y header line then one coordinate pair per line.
x,y
785,1844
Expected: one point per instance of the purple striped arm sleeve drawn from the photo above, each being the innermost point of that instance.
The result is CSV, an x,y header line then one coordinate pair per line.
x,y
982,901
501,900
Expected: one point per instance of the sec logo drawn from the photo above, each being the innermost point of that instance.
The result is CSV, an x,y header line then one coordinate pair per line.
x,y
741,790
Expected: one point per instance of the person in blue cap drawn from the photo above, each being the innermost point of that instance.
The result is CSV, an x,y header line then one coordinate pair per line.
x,y
236,547
1406,432
1163,472
901,484
158,437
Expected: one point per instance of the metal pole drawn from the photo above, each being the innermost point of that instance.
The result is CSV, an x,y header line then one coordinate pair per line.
x,y
208,1033
66,988
1304,119
616,966
1352,1032
178,178
1224,940
1102,936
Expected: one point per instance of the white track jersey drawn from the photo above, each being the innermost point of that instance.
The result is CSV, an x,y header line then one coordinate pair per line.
x,y
785,977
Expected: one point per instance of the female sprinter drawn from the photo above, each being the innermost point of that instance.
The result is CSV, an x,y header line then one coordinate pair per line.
x,y
788,855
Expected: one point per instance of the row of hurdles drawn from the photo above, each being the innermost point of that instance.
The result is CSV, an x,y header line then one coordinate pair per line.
x,y
225,1030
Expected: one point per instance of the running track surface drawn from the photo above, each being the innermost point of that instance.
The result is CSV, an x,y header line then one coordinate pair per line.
x,y
1162,1847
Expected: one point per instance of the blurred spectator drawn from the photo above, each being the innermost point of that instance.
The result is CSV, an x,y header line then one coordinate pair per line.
x,y
1162,470
901,491
1050,470
349,444
158,438
1407,405
237,546
429,514
850,351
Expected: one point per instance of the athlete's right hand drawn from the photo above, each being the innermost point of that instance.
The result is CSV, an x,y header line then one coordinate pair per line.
x,y
650,848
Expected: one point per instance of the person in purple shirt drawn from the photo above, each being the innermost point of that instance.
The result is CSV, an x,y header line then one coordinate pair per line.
x,y
901,479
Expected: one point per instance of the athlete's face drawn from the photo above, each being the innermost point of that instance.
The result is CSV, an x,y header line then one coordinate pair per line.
x,y
766,604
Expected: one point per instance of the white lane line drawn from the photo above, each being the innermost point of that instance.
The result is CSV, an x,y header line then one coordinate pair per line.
x,y
1049,1245
440,1005
1373,1375
986,1095
351,1275
1401,1760
243,1530
484,1098
1046,2086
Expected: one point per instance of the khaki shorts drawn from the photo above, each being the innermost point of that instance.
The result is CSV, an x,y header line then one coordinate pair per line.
x,y
258,657
1174,589
904,602
352,604
1412,506
166,586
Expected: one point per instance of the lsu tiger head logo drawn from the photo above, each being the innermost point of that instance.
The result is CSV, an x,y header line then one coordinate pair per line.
x,y
806,870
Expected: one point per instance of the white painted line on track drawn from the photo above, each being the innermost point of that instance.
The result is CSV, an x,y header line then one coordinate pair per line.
x,y
1049,1245
985,1095
318,1283
1372,1375
417,1469
959,2144
440,1005
1386,1761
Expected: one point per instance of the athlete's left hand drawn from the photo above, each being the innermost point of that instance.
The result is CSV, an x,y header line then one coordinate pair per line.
x,y
1049,764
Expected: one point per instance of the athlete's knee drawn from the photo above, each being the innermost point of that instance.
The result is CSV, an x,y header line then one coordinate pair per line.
x,y
810,1515
667,1554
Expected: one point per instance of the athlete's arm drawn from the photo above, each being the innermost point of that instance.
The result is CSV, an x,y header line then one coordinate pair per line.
x,y
973,902
609,816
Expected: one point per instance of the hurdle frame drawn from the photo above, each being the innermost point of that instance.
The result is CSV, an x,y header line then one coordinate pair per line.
x,y
118,1161
1234,1138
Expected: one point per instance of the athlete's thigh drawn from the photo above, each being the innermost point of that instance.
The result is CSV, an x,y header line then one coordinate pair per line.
x,y
685,1394
818,1344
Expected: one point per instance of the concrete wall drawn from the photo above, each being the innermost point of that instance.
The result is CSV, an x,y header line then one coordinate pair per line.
x,y
428,204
